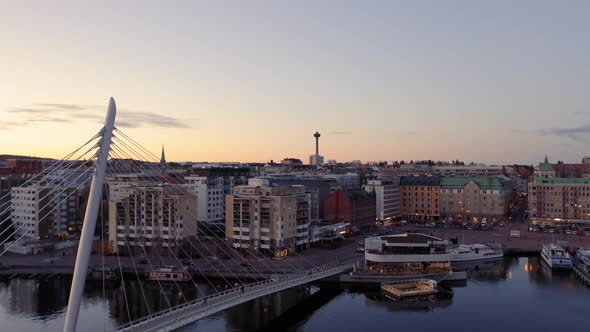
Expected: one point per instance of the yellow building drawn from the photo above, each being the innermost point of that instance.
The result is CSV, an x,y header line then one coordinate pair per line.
x,y
476,199
559,199
274,220
150,216
420,197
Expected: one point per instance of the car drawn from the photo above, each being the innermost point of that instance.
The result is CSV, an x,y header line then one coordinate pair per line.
x,y
551,230
568,232
360,249
245,265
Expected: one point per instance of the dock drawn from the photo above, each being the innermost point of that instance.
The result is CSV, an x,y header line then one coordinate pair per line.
x,y
582,274
417,288
365,278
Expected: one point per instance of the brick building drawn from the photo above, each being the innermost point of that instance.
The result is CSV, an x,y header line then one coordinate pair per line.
x,y
355,206
420,197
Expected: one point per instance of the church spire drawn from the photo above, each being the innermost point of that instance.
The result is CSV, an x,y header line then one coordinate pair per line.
x,y
163,158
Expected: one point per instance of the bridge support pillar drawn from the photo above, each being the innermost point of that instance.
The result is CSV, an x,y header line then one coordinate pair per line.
x,y
89,225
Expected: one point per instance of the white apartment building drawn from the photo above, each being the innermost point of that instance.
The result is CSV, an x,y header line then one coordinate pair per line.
x,y
210,197
52,208
387,195
211,192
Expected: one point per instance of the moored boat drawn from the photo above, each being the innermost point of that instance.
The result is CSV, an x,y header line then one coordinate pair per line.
x,y
583,256
474,252
556,257
169,274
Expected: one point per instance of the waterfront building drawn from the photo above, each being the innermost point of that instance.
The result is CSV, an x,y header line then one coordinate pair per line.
x,y
50,209
272,220
420,197
317,187
559,200
407,253
356,207
152,216
475,199
387,196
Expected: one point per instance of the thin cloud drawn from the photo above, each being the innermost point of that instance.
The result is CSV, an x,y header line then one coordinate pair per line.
x,y
9,125
407,133
61,106
62,113
341,133
579,133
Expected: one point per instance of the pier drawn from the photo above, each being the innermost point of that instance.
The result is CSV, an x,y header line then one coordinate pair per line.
x,y
410,288
582,273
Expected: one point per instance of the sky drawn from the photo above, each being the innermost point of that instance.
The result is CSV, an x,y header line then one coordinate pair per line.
x,y
485,81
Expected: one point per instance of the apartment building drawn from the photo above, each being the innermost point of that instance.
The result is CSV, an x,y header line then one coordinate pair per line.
x,y
150,216
52,208
317,187
559,199
271,220
387,196
420,197
475,199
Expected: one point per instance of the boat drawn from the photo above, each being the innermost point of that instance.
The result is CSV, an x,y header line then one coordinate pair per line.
x,y
556,257
583,256
474,252
416,289
169,274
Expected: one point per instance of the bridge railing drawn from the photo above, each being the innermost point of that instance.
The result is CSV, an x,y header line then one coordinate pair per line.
x,y
276,282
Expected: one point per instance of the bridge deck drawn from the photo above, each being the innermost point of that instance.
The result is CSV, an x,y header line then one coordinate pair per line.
x,y
190,312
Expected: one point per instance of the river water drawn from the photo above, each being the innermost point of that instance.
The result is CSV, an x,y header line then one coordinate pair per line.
x,y
516,294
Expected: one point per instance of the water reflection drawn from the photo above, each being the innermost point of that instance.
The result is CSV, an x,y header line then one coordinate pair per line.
x,y
509,288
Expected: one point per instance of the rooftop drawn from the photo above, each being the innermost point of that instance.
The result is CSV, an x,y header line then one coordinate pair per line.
x,y
420,181
562,181
409,238
484,182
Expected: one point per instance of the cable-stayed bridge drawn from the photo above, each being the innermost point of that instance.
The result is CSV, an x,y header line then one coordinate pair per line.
x,y
144,216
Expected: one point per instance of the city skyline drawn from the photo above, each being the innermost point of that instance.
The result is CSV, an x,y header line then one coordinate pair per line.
x,y
498,83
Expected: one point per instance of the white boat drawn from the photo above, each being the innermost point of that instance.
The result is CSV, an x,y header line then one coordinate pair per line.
x,y
583,255
556,257
474,252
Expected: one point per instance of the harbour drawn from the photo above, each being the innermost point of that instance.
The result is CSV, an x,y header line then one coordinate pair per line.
x,y
507,284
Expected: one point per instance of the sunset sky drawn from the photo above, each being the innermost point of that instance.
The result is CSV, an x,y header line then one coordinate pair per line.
x,y
489,81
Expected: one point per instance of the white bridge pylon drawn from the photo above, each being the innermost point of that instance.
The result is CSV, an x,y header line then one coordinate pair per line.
x,y
85,246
